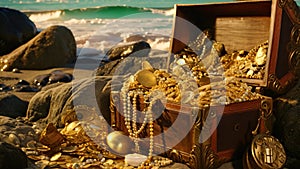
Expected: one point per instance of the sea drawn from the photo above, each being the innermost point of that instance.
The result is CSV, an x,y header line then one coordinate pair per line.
x,y
99,25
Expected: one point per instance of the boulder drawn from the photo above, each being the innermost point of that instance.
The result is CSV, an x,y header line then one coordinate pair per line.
x,y
129,65
15,29
287,126
140,48
12,157
52,104
53,47
12,106
288,131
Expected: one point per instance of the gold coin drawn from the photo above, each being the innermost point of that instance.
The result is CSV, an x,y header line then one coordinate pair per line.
x,y
146,78
55,157
69,149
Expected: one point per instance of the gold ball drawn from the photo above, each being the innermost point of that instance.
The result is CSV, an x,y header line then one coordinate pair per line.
x,y
146,78
119,142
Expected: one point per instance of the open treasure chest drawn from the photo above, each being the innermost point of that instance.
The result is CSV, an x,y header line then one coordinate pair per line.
x,y
205,107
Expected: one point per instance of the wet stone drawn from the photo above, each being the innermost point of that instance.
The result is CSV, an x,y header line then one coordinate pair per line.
x,y
14,158
23,82
41,80
55,76
24,86
4,88
16,70
59,76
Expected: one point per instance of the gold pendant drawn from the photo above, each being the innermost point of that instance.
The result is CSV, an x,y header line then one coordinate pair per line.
x,y
266,152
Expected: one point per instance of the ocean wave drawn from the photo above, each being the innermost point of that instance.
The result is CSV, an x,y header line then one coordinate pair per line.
x,y
106,12
166,12
45,15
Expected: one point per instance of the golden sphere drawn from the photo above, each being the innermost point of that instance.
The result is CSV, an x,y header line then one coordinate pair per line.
x,y
119,142
146,78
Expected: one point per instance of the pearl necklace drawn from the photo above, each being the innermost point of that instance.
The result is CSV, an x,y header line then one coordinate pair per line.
x,y
130,110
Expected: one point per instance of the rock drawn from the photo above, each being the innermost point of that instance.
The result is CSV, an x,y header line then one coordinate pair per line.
x,y
288,130
53,103
24,86
130,65
41,80
140,49
135,38
287,125
16,132
55,76
108,69
15,29
53,47
59,76
4,88
12,106
176,166
16,70
12,157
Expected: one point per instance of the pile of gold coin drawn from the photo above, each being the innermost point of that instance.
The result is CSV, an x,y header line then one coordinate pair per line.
x,y
195,64
150,80
241,64
214,90
244,64
227,92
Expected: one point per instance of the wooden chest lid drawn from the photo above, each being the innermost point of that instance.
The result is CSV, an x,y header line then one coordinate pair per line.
x,y
241,26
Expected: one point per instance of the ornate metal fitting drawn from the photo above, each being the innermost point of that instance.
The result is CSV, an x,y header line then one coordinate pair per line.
x,y
267,152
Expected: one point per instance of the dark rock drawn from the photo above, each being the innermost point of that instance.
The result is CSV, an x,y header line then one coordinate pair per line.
x,y
292,163
59,76
15,29
16,70
287,125
53,47
23,82
129,65
288,130
24,86
176,166
4,88
108,69
55,76
135,38
53,104
12,106
41,80
12,157
140,49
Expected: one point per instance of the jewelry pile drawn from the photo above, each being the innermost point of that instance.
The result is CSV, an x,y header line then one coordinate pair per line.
x,y
246,65
139,94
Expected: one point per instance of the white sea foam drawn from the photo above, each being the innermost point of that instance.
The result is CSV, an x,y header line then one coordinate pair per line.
x,y
45,16
107,33
169,12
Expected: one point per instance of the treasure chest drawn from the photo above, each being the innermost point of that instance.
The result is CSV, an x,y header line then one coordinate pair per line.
x,y
217,133
243,25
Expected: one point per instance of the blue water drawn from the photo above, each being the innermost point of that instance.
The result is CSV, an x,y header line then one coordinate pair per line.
x,y
88,9
77,4
101,24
